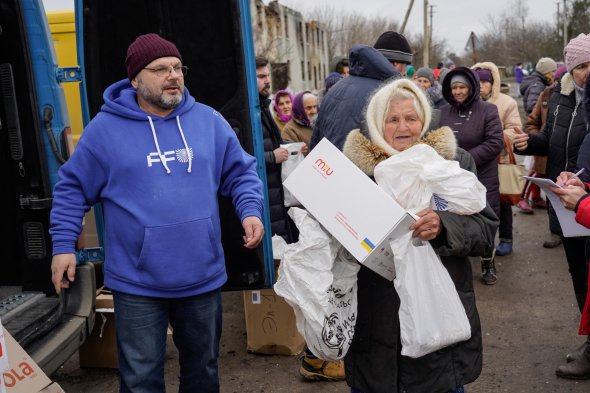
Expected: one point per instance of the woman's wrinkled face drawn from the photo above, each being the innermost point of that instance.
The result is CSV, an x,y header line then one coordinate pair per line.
x,y
580,73
402,125
424,83
460,91
285,105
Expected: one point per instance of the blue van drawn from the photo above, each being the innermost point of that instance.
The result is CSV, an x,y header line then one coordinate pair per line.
x,y
214,37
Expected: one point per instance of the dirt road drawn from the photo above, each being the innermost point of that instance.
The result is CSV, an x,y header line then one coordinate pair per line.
x,y
529,322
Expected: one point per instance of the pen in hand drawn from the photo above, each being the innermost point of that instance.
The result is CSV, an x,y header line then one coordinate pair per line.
x,y
575,176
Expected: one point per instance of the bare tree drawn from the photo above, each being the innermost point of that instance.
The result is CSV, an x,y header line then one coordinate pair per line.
x,y
347,29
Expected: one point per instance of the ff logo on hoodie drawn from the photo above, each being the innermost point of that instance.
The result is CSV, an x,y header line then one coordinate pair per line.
x,y
179,155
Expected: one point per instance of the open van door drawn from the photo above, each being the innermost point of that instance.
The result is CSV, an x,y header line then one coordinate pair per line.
x,y
215,40
33,144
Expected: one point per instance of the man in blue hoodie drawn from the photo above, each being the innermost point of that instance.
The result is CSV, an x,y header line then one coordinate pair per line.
x,y
157,159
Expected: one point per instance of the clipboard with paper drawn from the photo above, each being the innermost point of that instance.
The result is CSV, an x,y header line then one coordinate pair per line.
x,y
567,218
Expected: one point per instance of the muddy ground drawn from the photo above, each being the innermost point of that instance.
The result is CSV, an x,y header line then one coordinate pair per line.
x,y
529,320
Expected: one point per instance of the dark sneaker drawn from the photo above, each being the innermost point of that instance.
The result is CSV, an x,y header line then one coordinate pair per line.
x,y
525,207
322,370
555,241
488,271
503,248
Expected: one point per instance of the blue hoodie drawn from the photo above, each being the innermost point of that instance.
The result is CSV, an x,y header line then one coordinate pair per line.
x,y
158,179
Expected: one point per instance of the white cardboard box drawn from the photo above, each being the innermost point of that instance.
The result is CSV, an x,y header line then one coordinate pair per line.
x,y
359,214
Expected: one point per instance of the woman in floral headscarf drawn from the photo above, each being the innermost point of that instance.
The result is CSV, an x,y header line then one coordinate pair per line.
x,y
282,106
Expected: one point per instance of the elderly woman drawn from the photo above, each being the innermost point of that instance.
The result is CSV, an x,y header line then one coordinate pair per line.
x,y
282,105
478,129
489,79
300,127
373,363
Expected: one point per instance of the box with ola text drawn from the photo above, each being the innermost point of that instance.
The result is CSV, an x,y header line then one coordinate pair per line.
x,y
359,214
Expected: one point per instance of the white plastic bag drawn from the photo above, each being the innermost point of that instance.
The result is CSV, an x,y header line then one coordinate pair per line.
x,y
431,314
317,277
528,162
295,158
418,178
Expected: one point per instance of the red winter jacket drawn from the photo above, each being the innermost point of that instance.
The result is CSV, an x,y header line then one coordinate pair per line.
x,y
583,218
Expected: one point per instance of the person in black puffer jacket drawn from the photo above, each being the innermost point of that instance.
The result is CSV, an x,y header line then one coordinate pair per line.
x,y
560,141
274,155
342,107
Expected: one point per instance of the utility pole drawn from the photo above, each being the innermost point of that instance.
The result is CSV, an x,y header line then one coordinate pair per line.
x,y
426,49
558,17
401,31
430,34
564,23
474,52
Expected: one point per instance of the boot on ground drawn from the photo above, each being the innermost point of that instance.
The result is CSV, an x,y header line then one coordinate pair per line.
x,y
555,241
503,248
578,368
576,354
315,369
488,271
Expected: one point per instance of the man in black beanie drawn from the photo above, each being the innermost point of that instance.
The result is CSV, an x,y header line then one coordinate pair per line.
x,y
342,107
395,47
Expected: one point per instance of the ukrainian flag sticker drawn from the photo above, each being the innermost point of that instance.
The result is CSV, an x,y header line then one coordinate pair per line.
x,y
367,245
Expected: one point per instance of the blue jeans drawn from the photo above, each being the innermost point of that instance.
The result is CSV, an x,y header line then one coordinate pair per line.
x,y
141,325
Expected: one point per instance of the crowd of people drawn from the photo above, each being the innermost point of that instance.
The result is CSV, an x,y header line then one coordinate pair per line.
x,y
374,105
488,128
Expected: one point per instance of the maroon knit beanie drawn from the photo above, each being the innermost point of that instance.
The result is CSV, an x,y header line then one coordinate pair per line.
x,y
145,49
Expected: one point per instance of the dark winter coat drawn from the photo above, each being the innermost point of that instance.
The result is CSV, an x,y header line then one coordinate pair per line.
x,y
561,138
281,223
374,362
530,89
343,106
478,130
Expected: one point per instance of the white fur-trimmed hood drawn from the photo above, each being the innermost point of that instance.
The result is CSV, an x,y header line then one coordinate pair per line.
x,y
366,154
379,107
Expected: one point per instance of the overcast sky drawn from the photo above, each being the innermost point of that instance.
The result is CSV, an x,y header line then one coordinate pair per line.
x,y
453,19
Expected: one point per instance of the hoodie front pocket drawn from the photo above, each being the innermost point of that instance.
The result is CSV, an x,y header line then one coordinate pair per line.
x,y
179,255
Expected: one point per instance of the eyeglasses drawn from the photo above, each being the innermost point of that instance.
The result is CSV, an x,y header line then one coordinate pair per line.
x,y
163,72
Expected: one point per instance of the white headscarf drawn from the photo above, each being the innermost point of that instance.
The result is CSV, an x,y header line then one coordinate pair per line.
x,y
379,105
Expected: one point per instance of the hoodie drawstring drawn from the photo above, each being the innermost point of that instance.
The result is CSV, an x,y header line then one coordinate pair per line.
x,y
188,152
162,158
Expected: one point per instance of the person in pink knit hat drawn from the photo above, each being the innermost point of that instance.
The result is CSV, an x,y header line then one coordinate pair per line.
x,y
560,140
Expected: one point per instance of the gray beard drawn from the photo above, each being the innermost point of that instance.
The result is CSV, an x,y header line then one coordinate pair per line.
x,y
161,101
313,120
